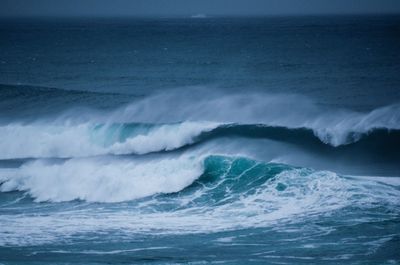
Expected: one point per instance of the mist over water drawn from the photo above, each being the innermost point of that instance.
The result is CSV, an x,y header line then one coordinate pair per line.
x,y
278,142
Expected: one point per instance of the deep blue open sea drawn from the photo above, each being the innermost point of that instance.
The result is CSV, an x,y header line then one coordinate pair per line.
x,y
200,140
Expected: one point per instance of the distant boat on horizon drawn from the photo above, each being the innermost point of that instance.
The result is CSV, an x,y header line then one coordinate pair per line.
x,y
199,16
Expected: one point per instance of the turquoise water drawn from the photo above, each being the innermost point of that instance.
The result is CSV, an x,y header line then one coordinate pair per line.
x,y
134,142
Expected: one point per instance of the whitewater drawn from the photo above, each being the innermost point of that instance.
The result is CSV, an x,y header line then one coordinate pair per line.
x,y
197,169
152,148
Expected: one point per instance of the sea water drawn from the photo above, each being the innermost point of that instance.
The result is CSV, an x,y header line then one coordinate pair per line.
x,y
200,140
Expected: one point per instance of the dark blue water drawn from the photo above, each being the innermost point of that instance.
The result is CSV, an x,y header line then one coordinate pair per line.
x,y
196,141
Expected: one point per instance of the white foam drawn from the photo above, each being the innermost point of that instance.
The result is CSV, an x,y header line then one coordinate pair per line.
x,y
40,140
346,127
332,126
307,194
101,180
166,137
66,137
45,140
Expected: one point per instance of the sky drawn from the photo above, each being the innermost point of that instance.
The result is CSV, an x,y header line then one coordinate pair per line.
x,y
101,8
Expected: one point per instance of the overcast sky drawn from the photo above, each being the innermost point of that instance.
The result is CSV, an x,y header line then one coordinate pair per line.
x,y
191,7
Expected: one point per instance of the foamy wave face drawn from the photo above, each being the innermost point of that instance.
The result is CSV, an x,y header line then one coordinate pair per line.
x,y
253,194
21,141
166,137
99,180
80,140
292,196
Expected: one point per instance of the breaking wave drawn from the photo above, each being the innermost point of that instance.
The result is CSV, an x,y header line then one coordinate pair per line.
x,y
196,180
82,140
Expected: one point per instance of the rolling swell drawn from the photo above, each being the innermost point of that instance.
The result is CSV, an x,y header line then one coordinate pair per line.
x,y
149,125
27,102
380,141
33,93
379,138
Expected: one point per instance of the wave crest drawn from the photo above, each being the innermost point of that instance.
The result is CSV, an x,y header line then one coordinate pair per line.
x,y
82,140
198,181
98,180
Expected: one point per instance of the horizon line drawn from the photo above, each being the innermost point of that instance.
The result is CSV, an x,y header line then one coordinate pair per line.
x,y
200,16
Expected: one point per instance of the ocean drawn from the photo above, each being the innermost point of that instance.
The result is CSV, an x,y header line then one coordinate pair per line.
x,y
204,140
